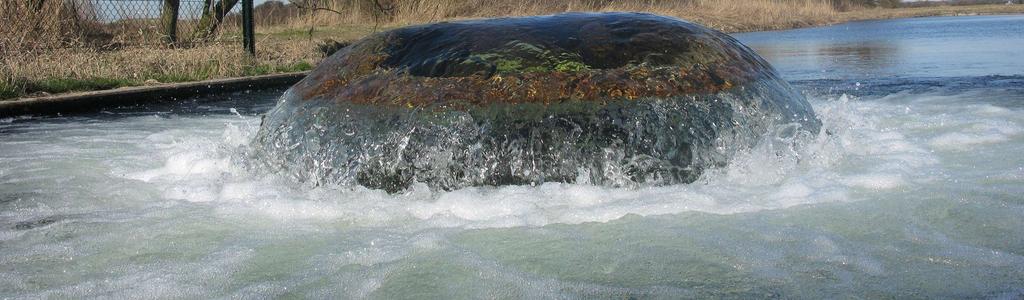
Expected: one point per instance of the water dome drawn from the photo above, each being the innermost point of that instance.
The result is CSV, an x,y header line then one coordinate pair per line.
x,y
618,99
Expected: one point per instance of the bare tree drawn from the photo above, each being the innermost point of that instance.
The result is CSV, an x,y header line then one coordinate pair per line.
x,y
169,21
211,19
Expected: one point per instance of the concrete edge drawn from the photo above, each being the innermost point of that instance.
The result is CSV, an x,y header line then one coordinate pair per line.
x,y
95,100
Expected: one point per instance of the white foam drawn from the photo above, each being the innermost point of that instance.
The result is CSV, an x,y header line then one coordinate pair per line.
x,y
977,132
963,141
992,110
778,173
185,164
874,181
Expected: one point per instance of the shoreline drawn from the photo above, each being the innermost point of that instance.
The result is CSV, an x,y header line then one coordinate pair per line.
x,y
933,11
300,53
878,14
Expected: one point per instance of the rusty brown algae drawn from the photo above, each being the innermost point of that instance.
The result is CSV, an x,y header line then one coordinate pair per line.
x,y
619,99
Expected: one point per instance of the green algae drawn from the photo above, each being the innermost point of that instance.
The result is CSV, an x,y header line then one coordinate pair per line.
x,y
570,66
519,58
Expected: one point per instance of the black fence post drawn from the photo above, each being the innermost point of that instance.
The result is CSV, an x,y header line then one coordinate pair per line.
x,y
248,33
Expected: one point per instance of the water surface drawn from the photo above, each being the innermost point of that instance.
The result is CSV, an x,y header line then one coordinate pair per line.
x,y
917,192
902,48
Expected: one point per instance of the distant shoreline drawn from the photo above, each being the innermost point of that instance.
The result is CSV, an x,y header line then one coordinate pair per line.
x,y
898,13
931,11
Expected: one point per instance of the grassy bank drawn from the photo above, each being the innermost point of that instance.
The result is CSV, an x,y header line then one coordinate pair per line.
x,y
31,65
65,70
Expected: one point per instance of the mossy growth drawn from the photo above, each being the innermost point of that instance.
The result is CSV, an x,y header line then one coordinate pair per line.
x,y
569,66
514,65
505,66
524,58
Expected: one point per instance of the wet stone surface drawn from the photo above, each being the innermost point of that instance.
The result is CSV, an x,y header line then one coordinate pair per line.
x,y
617,99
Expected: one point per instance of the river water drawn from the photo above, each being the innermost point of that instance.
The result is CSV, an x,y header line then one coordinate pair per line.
x,y
917,192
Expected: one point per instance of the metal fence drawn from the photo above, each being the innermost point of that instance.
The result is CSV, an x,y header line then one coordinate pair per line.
x,y
127,23
116,10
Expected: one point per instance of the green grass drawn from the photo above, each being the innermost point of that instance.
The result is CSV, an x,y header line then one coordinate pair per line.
x,y
10,90
178,77
64,85
20,88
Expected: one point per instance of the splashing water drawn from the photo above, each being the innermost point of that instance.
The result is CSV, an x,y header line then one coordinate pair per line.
x,y
615,99
618,143
914,191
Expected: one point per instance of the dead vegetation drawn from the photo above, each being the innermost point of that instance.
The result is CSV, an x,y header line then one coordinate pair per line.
x,y
53,46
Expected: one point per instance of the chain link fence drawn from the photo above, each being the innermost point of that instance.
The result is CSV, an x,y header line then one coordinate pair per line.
x,y
116,24
144,22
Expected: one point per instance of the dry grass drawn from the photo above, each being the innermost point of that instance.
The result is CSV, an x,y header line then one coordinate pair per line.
x,y
288,40
724,15
23,25
931,11
727,15
734,16
62,70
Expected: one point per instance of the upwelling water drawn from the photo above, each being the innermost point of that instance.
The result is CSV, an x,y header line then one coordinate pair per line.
x,y
917,192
